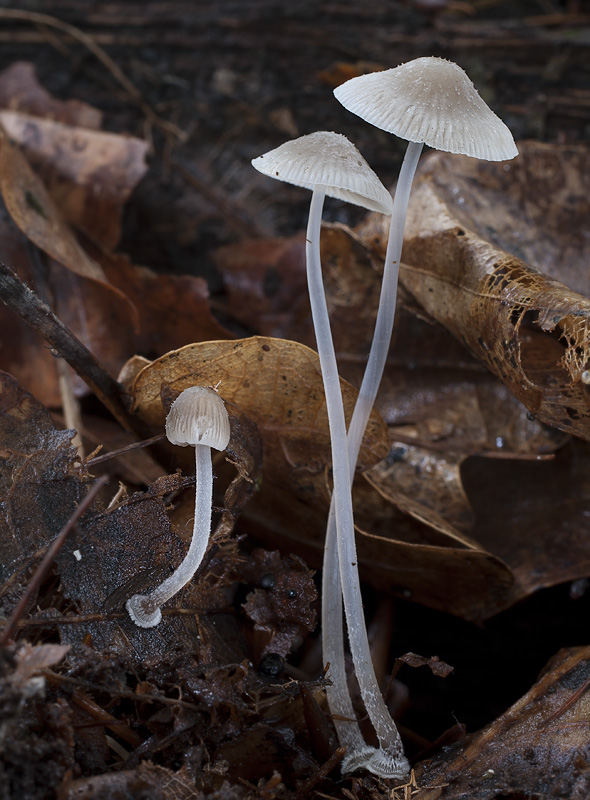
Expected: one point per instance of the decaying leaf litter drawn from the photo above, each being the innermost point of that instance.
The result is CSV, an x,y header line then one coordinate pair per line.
x,y
477,489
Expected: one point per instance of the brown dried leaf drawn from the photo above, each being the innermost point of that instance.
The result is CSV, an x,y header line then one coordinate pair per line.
x,y
540,747
436,666
471,583
266,284
21,91
427,486
97,312
89,174
534,516
286,401
435,395
35,213
276,383
529,329
139,311
173,310
30,660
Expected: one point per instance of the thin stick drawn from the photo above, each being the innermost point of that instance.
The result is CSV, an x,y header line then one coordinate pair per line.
x,y
51,553
123,450
320,774
37,315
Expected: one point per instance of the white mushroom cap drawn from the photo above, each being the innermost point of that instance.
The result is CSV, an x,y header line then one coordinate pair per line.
x,y
430,100
198,416
330,160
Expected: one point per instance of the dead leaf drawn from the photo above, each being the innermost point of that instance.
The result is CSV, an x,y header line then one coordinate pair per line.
x,y
286,402
534,516
266,284
436,666
96,312
116,554
35,213
138,312
529,329
89,174
173,310
38,489
539,747
267,288
20,91
397,555
276,383
426,485
30,660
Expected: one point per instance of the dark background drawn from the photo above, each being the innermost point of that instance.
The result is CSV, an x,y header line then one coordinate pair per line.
x,y
238,78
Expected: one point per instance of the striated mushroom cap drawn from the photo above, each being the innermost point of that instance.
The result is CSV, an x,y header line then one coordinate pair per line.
x,y
198,416
430,100
330,160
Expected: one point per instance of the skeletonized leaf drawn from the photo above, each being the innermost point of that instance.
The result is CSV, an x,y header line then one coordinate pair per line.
x,y
38,491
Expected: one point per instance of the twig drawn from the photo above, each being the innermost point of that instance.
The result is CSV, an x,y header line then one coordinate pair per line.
x,y
51,553
56,678
322,772
45,19
37,315
122,450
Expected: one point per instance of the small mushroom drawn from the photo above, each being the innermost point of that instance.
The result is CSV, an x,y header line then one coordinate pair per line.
x,y
425,101
328,164
197,417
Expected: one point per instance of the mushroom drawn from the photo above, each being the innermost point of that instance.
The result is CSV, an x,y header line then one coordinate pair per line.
x,y
197,417
425,101
328,164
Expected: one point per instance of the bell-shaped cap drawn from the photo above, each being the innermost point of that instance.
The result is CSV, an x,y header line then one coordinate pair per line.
x,y
198,416
430,100
329,160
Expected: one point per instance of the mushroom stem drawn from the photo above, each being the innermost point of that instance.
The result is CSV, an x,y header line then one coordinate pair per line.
x,y
390,757
333,639
144,610
387,301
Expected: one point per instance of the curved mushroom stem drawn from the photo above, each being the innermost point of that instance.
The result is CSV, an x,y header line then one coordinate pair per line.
x,y
387,300
358,753
143,609
389,761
